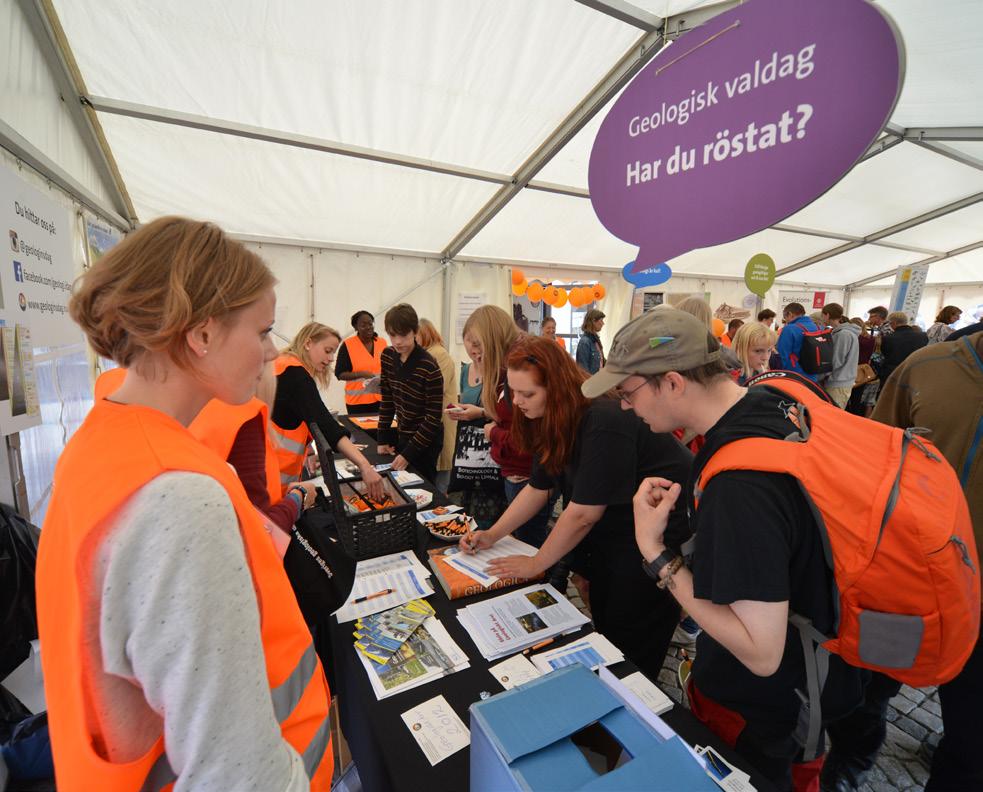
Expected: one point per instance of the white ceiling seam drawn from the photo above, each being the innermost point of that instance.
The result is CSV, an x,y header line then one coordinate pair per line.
x,y
923,218
118,55
633,61
930,260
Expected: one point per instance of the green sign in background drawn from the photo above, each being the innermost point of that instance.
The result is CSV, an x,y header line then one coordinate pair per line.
x,y
759,274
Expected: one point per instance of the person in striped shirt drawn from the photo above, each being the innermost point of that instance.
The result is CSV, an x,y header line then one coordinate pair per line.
x,y
413,393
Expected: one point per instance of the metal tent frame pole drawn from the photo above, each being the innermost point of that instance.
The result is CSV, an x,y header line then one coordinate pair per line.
x,y
43,20
894,229
930,260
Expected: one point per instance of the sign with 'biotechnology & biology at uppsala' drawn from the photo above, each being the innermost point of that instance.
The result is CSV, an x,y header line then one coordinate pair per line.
x,y
742,121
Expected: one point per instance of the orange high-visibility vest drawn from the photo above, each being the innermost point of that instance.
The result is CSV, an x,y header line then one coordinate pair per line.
x,y
290,444
218,425
363,361
117,450
108,382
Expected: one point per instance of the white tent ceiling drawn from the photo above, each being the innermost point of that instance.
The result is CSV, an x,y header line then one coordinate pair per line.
x,y
322,98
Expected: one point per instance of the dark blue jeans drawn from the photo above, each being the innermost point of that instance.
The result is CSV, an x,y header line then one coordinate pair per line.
x,y
536,530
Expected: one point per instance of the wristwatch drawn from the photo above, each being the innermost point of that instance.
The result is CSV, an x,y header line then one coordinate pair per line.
x,y
303,495
653,569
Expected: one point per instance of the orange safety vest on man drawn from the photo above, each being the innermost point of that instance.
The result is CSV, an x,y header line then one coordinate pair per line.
x,y
363,361
108,382
218,425
117,450
290,444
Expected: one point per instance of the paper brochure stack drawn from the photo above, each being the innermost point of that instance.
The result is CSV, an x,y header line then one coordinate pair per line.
x,y
383,583
428,654
380,635
519,619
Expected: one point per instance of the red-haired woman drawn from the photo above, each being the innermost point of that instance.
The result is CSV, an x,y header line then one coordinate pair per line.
x,y
596,454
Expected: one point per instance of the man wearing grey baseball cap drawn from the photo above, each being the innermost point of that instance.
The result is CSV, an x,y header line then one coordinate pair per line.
x,y
758,552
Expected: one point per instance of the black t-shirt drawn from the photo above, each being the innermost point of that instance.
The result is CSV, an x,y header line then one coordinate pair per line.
x,y
613,451
756,539
297,399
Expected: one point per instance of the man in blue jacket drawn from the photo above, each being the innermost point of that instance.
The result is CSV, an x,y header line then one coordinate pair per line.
x,y
790,341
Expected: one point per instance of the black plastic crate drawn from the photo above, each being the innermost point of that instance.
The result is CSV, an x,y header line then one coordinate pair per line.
x,y
370,533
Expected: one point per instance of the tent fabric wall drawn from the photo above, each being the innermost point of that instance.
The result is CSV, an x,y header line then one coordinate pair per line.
x,y
969,297
345,282
33,106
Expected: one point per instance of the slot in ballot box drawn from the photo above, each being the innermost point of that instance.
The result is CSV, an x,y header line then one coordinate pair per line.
x,y
561,732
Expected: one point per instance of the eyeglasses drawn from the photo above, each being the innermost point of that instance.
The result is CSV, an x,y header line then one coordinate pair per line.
x,y
626,396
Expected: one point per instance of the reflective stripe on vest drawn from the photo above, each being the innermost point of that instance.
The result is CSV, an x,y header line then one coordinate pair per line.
x,y
91,483
280,440
363,361
286,697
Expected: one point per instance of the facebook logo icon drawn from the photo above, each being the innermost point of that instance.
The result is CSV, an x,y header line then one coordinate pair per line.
x,y
18,272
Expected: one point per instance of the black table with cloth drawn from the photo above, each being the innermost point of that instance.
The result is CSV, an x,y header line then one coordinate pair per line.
x,y
387,756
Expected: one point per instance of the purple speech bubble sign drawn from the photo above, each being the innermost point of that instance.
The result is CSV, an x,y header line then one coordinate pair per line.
x,y
743,121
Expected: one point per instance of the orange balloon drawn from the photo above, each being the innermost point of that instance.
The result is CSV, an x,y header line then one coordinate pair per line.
x,y
534,291
718,327
518,289
548,295
517,277
599,291
575,296
561,299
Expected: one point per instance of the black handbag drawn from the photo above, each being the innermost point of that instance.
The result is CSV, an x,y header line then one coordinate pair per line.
x,y
321,573
18,604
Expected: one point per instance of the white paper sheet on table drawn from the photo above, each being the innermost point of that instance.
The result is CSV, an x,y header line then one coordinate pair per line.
x,y
475,565
437,729
592,650
510,622
407,584
391,563
515,671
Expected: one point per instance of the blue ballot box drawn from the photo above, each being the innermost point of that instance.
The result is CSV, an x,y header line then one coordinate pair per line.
x,y
531,739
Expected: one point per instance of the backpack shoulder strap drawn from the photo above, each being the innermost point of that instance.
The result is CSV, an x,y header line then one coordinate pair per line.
x,y
792,384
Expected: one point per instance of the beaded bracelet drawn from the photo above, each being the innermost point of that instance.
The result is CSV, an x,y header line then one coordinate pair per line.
x,y
671,568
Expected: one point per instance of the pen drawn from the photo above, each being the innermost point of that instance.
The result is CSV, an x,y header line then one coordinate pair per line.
x,y
540,645
368,597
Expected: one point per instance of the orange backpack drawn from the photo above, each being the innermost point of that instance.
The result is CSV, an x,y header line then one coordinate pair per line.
x,y
896,533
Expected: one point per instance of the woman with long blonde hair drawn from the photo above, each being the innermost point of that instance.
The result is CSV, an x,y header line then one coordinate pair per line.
x,y
492,333
303,365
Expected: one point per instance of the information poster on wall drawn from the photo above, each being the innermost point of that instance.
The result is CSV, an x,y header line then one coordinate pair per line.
x,y
467,303
19,408
37,268
909,284
100,237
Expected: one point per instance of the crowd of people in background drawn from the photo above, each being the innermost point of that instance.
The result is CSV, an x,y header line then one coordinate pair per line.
x,y
594,450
